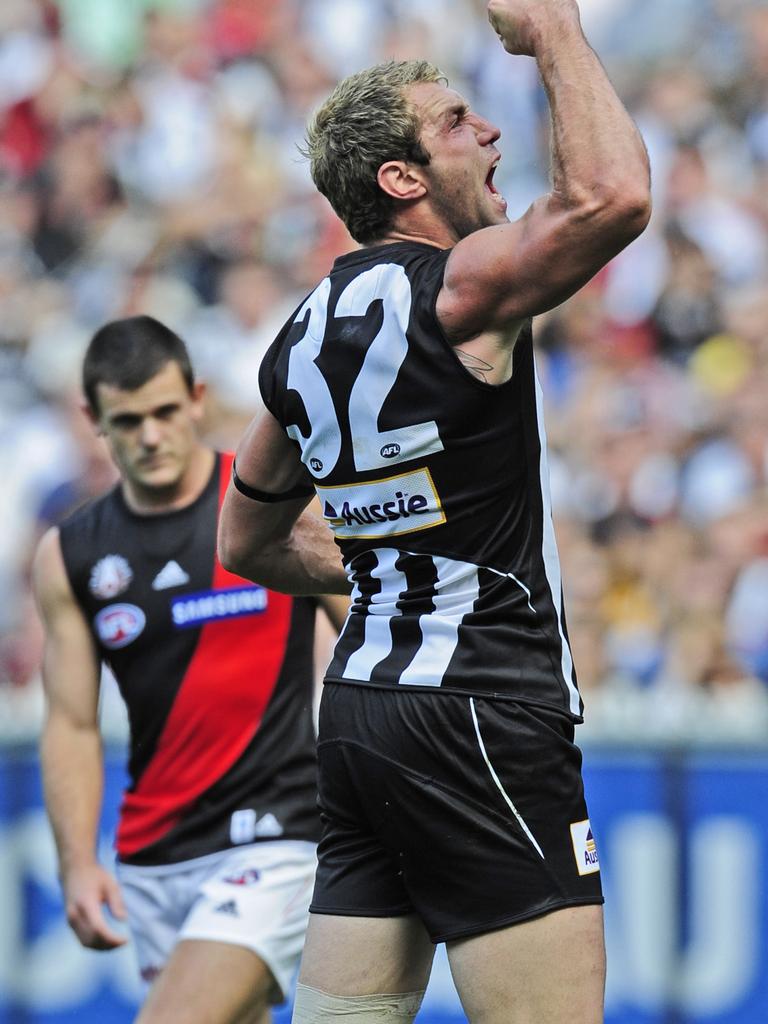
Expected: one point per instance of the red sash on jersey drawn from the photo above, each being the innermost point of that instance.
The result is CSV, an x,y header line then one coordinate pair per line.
x,y
217,711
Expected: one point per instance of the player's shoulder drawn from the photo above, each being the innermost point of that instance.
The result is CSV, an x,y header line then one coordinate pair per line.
x,y
410,255
80,530
48,576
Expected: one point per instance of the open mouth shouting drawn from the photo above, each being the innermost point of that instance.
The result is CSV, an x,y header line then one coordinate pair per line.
x,y
491,189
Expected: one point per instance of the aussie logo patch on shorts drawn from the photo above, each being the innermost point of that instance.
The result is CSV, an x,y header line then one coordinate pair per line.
x,y
584,848
118,625
383,508
212,605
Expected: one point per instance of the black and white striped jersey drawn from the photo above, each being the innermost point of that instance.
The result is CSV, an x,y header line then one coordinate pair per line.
x,y
434,483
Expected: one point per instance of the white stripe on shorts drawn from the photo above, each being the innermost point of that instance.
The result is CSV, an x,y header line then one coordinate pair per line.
x,y
497,780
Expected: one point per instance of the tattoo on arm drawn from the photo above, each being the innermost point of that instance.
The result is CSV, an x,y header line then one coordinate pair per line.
x,y
477,367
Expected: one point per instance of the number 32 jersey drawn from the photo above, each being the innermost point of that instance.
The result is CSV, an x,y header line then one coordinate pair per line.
x,y
434,483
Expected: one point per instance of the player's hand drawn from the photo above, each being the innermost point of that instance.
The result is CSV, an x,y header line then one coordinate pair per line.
x,y
86,890
520,24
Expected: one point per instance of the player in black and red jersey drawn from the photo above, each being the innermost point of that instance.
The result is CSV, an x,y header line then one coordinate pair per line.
x,y
217,831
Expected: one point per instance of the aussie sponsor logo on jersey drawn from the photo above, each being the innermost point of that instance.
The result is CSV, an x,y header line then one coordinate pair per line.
x,y
118,625
110,576
584,848
383,508
212,605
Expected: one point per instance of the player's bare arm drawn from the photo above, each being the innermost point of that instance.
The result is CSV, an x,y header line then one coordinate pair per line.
x,y
335,607
278,544
71,752
600,197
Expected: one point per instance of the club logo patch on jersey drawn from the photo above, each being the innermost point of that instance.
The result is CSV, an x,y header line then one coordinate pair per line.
x,y
383,508
584,848
212,605
110,576
118,625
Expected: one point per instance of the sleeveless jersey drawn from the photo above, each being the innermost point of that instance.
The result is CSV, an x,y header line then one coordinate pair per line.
x,y
434,483
216,673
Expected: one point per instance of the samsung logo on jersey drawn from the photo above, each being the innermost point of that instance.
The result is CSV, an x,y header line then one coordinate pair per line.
x,y
383,508
213,605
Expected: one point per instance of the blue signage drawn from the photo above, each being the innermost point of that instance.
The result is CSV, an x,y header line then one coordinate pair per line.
x,y
683,843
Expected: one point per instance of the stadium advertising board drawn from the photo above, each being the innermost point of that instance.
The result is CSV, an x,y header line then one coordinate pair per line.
x,y
683,842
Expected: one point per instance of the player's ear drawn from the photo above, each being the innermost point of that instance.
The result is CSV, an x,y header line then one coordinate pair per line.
x,y
92,416
198,394
401,180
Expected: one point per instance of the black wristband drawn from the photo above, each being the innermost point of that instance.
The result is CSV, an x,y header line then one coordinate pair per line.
x,y
300,491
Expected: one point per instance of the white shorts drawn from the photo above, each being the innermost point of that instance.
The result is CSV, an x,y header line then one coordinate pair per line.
x,y
254,896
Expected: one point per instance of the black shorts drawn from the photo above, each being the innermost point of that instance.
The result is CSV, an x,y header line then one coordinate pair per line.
x,y
467,811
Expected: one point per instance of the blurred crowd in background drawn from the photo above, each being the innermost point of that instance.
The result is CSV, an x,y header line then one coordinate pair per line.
x,y
149,163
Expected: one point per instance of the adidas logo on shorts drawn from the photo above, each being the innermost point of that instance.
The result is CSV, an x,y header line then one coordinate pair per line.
x,y
228,907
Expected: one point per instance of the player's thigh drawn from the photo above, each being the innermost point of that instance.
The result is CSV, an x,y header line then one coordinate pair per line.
x,y
550,970
257,899
156,904
351,956
207,982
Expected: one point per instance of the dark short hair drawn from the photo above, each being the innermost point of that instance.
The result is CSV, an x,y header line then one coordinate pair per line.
x,y
127,353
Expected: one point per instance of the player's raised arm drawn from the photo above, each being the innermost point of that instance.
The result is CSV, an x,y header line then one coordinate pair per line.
x,y
265,534
71,752
600,197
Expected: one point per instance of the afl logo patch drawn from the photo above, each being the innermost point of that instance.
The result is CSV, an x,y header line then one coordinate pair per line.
x,y
390,451
110,576
118,625
316,464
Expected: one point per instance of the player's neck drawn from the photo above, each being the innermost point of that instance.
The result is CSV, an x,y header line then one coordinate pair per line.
x,y
189,487
420,225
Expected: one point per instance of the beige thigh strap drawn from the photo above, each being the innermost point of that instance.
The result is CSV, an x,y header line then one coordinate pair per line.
x,y
315,1007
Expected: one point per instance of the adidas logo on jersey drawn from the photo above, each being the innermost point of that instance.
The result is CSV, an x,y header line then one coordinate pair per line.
x,y
268,826
245,825
383,508
228,907
171,575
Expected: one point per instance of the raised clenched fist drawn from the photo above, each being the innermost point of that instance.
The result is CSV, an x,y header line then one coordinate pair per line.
x,y
521,24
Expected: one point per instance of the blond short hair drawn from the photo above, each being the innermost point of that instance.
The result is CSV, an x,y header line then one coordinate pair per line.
x,y
363,123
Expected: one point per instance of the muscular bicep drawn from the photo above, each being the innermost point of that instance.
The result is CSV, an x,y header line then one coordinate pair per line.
x,y
498,276
71,666
268,459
